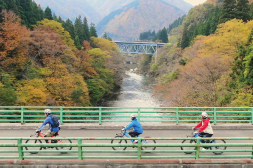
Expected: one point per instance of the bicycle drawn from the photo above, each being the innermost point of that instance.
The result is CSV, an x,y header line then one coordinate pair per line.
x,y
41,134
125,133
213,147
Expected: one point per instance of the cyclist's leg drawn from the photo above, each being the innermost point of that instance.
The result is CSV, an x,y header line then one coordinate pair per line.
x,y
134,134
206,135
49,134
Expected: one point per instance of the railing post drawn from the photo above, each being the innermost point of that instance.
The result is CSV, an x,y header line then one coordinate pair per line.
x,y
100,116
177,116
20,150
61,115
139,148
214,116
251,115
197,149
139,114
22,115
80,152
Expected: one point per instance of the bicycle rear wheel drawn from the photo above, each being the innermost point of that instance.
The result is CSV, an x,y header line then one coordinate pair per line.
x,y
33,142
63,141
148,142
115,141
216,148
186,148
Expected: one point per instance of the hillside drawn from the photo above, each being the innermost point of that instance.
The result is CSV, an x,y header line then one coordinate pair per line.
x,y
105,7
71,9
139,16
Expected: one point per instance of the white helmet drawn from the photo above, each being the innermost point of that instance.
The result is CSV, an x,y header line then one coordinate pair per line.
x,y
47,111
204,115
133,116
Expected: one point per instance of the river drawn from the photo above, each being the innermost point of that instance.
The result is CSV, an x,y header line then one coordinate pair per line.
x,y
136,91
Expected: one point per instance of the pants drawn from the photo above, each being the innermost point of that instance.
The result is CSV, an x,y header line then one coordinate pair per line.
x,y
49,134
205,135
134,134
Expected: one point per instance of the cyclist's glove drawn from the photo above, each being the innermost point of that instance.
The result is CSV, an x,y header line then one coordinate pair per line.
x,y
123,129
194,129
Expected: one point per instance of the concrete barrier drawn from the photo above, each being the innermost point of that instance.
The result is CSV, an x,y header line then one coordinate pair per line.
x,y
177,163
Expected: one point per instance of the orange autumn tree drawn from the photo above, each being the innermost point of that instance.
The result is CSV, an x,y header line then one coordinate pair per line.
x,y
13,53
203,80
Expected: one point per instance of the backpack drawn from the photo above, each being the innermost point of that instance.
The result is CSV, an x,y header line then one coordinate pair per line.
x,y
56,121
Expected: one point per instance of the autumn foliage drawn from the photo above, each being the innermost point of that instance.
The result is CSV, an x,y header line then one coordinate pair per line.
x,y
204,80
43,67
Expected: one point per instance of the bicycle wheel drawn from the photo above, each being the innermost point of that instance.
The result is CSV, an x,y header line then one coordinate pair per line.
x,y
214,148
115,141
63,141
186,148
33,142
148,142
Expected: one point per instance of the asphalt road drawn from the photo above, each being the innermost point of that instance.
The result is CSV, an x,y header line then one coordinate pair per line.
x,y
152,133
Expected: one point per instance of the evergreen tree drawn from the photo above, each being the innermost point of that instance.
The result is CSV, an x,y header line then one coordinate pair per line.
x,y
228,11
86,31
68,26
93,31
164,36
48,14
242,10
185,39
78,29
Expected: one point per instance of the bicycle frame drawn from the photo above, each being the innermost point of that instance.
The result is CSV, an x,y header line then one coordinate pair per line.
x,y
195,134
125,133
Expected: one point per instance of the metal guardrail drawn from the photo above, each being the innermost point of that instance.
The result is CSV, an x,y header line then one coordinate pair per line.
x,y
121,114
166,148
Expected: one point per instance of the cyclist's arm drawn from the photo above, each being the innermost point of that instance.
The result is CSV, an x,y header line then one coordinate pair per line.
x,y
129,126
44,124
198,125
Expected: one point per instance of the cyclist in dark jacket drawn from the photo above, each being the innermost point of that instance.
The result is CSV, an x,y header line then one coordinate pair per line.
x,y
52,130
137,128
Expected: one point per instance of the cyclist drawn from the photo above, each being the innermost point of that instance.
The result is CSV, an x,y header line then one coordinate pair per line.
x,y
136,125
205,129
53,130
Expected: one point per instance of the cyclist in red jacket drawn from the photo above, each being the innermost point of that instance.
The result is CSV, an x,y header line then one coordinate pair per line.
x,y
205,129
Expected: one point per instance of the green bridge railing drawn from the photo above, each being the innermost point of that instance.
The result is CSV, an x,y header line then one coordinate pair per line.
x,y
121,114
101,148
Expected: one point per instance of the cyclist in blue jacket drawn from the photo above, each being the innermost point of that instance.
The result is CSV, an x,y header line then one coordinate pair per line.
x,y
136,125
52,130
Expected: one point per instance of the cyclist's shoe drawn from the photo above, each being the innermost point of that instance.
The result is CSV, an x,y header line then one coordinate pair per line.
x,y
205,149
136,141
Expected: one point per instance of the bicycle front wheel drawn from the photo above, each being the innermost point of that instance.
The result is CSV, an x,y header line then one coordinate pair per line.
x,y
115,141
187,148
33,148
216,148
148,142
63,148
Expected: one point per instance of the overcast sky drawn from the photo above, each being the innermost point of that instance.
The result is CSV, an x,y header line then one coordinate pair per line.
x,y
195,2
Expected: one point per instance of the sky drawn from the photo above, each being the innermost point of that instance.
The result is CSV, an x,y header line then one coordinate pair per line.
x,y
195,2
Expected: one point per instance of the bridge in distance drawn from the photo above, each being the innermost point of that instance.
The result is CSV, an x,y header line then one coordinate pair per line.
x,y
139,47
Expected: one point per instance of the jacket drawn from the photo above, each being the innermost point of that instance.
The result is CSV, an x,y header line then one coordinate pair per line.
x,y
205,126
49,121
136,126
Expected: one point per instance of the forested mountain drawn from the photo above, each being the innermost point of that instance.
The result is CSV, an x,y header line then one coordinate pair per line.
x,y
105,7
210,60
40,64
139,16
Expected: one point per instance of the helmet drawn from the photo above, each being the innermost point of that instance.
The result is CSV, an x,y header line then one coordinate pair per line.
x,y
204,115
133,116
47,111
